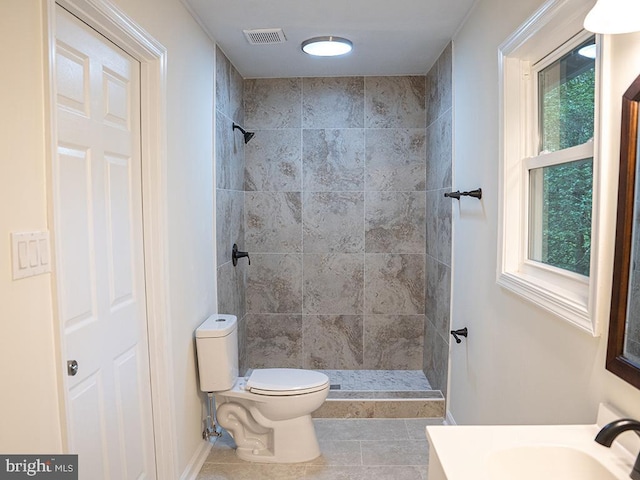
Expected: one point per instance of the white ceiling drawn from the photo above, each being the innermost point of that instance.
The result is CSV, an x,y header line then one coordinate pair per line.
x,y
390,37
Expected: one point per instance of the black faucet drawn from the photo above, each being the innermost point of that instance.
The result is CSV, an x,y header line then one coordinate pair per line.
x,y
610,431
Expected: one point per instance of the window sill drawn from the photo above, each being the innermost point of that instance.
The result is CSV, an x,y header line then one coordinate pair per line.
x,y
569,305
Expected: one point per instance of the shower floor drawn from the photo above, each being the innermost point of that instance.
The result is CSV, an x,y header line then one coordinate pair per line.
x,y
380,394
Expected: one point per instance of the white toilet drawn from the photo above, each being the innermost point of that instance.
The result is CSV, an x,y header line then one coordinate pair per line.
x,y
268,412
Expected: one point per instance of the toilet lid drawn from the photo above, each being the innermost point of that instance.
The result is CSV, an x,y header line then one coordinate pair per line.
x,y
286,381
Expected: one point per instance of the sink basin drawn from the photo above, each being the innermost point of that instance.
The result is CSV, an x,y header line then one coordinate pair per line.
x,y
548,462
530,452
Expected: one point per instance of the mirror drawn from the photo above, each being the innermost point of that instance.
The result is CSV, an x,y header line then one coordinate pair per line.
x,y
623,349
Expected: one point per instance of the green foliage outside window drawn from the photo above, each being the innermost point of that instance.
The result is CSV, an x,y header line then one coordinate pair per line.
x,y
567,119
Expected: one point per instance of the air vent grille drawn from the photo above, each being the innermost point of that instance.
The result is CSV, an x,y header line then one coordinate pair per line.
x,y
265,36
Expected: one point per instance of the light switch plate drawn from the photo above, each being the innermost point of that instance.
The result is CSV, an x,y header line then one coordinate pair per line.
x,y
30,252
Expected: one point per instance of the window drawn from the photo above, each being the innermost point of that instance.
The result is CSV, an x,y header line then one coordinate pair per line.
x,y
560,215
560,187
549,240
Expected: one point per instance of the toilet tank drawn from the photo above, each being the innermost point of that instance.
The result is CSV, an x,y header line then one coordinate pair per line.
x,y
217,350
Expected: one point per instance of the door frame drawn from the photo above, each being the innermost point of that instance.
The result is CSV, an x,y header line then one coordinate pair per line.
x,y
111,22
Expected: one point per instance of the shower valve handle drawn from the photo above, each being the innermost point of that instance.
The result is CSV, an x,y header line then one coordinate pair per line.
x,y
236,254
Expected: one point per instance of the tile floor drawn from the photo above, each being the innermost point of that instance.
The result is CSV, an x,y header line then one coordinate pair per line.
x,y
378,380
352,449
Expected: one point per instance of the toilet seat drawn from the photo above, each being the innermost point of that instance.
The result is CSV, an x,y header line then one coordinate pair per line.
x,y
285,381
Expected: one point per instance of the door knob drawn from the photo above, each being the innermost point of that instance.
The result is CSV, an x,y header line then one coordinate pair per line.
x,y
72,367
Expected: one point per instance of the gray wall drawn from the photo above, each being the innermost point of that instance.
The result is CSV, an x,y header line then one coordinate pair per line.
x,y
335,222
230,165
438,221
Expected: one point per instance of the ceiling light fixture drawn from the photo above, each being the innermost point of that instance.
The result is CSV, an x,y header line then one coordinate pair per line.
x,y
614,16
328,46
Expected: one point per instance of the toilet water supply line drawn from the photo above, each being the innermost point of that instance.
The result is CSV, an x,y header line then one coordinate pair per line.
x,y
211,429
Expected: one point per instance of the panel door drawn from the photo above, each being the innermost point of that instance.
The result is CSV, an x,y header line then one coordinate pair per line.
x,y
97,202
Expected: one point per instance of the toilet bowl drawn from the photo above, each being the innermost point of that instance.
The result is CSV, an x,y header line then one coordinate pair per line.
x,y
268,411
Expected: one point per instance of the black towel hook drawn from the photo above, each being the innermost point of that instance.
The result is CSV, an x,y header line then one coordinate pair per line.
x,y
477,193
462,332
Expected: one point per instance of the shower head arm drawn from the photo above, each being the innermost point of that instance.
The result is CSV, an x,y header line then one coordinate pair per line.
x,y
247,135
238,127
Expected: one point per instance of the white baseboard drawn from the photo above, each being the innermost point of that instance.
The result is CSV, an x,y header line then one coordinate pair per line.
x,y
449,420
196,462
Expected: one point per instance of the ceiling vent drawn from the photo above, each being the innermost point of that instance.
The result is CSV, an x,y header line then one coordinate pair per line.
x,y
265,36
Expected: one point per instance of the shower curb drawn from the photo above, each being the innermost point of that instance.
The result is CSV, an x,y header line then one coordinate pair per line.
x,y
368,404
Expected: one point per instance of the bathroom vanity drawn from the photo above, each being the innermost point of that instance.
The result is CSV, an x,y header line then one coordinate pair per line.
x,y
528,452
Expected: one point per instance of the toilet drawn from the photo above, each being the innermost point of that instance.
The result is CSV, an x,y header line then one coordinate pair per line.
x,y
267,412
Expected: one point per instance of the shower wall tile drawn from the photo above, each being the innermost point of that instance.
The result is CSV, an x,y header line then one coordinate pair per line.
x,y
431,223
333,160
333,102
273,103
274,161
332,341
394,284
396,159
428,357
443,300
369,175
274,341
236,96
440,86
224,149
333,222
393,342
438,221
433,95
431,288
229,217
229,155
445,78
444,228
242,345
274,283
231,289
273,222
229,223
222,90
438,225
333,283
435,357
439,153
394,222
395,102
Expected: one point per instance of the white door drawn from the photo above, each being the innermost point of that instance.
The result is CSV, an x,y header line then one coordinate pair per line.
x,y
99,254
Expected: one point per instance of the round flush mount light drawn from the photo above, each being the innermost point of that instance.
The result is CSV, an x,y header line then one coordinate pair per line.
x,y
613,16
328,46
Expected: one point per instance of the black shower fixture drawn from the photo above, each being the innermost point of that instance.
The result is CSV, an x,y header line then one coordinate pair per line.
x,y
247,135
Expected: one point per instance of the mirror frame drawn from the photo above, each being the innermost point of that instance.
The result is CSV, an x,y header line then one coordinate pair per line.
x,y
617,363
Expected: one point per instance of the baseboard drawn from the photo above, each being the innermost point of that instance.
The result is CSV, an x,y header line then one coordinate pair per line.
x,y
196,462
449,420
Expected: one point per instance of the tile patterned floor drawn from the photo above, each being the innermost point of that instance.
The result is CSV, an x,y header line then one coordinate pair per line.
x,y
352,449
378,380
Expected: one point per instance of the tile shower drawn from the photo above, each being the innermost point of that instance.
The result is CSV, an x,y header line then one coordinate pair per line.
x,y
338,199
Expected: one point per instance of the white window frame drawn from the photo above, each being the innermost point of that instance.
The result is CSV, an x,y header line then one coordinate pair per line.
x,y
582,301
